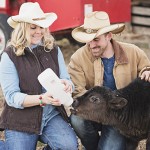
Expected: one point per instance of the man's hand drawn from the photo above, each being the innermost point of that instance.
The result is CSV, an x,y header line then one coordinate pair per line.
x,y
146,76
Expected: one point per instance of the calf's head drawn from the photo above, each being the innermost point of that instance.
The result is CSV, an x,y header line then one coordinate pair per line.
x,y
97,103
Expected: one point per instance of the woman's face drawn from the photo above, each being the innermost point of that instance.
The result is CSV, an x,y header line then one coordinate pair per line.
x,y
36,34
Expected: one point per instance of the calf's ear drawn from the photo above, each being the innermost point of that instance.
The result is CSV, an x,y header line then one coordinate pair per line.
x,y
117,103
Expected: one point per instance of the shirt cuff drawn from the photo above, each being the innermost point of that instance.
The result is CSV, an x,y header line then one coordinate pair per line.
x,y
18,100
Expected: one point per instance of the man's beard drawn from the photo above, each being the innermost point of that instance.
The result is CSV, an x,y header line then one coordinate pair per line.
x,y
99,52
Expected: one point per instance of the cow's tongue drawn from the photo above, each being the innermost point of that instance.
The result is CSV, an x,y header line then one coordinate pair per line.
x,y
73,111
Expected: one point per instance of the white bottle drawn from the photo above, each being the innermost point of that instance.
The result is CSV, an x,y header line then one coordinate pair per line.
x,y
50,81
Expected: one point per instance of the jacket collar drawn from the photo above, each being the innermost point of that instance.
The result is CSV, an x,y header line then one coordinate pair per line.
x,y
120,54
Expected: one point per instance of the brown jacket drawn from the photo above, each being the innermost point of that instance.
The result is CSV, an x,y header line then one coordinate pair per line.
x,y
86,71
28,67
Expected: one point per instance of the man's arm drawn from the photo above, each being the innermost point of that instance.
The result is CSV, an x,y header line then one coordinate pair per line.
x,y
77,76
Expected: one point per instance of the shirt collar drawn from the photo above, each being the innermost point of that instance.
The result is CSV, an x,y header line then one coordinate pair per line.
x,y
120,54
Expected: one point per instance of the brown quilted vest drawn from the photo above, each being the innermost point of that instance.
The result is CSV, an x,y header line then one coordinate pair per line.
x,y
29,66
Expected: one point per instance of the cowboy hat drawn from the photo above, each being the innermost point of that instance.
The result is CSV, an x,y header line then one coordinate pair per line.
x,y
95,24
32,13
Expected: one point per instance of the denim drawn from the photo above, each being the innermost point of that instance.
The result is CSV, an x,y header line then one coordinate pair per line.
x,y
2,145
88,132
111,139
58,134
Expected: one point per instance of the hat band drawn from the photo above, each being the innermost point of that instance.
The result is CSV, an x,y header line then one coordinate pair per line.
x,y
36,19
89,31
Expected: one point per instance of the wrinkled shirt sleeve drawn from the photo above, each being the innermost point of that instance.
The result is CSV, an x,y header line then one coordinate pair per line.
x,y
10,83
63,69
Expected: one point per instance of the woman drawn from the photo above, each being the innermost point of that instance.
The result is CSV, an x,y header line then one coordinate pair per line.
x,y
30,113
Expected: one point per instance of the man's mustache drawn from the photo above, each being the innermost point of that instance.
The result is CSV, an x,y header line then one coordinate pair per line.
x,y
97,47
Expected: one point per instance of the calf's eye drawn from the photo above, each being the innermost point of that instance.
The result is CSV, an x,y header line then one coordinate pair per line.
x,y
94,99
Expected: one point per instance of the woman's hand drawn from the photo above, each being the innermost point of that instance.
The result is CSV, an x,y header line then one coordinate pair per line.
x,y
48,99
67,84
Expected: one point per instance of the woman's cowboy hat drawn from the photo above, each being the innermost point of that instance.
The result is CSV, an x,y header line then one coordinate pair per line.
x,y
95,24
32,13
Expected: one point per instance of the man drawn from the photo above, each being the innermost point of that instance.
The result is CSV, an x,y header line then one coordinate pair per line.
x,y
103,61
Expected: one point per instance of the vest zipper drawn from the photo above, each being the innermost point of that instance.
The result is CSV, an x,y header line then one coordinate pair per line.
x,y
36,59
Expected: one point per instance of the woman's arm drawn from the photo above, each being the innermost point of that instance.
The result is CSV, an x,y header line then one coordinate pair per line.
x,y
10,82
69,86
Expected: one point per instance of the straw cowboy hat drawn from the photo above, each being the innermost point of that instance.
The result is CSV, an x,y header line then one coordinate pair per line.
x,y
32,13
95,24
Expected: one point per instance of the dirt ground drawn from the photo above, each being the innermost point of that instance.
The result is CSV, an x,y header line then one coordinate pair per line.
x,y
68,49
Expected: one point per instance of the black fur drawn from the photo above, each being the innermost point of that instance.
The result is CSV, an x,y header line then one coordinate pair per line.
x,y
127,109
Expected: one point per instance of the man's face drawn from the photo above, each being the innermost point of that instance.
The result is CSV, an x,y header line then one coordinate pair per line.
x,y
99,44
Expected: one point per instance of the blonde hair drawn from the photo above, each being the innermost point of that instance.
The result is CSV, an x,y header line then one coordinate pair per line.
x,y
20,38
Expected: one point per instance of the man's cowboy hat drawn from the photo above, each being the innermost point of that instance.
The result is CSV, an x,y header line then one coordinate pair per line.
x,y
32,13
95,24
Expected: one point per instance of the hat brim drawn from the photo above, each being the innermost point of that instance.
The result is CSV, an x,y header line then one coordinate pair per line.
x,y
80,35
45,23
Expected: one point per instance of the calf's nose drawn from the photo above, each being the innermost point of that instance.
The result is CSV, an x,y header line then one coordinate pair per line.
x,y
75,103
